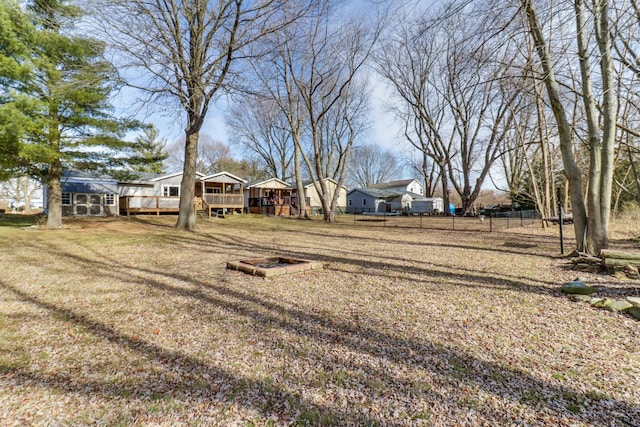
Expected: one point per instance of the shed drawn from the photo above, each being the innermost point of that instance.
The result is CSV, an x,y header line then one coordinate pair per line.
x,y
87,194
431,205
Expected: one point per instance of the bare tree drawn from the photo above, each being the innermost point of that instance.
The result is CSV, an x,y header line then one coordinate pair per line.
x,y
258,125
457,95
592,26
311,76
20,189
212,155
424,166
371,164
184,51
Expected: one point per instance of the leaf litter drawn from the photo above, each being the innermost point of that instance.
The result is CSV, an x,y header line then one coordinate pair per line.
x,y
131,323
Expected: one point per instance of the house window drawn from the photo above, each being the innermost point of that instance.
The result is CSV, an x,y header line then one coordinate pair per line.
x,y
364,202
170,190
66,199
110,199
350,202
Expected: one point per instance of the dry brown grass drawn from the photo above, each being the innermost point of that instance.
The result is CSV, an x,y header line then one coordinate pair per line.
x,y
130,322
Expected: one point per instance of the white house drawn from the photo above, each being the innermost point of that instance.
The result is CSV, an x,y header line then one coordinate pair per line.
x,y
401,186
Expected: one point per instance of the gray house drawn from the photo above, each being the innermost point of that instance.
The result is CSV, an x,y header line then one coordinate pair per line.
x,y
371,200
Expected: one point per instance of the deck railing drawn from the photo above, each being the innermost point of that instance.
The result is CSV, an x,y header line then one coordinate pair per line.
x,y
225,200
149,203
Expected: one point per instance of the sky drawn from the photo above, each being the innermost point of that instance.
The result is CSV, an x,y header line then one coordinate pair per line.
x,y
384,129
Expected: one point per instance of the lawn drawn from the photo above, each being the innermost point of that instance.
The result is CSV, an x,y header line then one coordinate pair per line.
x,y
130,322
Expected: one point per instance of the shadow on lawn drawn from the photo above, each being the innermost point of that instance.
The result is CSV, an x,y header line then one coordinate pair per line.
x,y
436,359
531,248
463,277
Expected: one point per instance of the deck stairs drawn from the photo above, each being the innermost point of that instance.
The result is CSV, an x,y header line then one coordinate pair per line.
x,y
201,208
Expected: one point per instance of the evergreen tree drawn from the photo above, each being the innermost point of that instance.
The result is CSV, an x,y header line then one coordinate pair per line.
x,y
15,31
59,111
149,151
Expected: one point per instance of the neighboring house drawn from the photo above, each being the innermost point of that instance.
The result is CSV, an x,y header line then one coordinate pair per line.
x,y
399,187
370,200
272,197
315,201
400,203
376,201
86,194
160,193
221,192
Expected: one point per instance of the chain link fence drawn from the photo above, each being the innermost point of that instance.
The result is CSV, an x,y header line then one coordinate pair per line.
x,y
490,222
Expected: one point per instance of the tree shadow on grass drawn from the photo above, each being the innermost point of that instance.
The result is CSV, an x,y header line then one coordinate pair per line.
x,y
391,267
531,249
437,360
183,372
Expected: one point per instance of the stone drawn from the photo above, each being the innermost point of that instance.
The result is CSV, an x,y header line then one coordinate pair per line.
x,y
634,301
601,303
581,298
619,305
577,287
635,312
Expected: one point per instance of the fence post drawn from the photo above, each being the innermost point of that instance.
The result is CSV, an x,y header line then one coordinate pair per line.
x,y
490,222
521,223
560,220
453,221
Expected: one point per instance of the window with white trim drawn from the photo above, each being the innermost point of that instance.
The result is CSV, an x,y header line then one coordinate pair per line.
x,y
110,199
171,191
66,199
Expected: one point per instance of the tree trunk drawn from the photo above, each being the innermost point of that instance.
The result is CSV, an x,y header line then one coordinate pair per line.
x,y
302,202
609,109
328,214
54,204
186,215
445,189
594,238
571,169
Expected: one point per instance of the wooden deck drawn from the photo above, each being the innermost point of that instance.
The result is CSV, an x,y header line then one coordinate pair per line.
x,y
149,205
222,202
212,203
